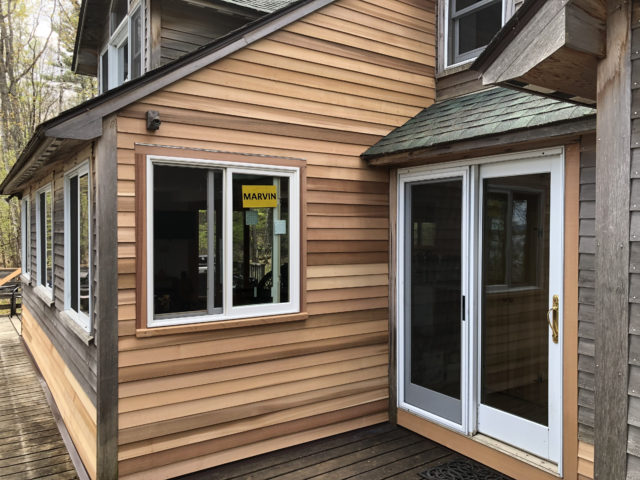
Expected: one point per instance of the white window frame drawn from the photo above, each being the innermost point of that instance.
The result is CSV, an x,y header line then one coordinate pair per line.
x,y
101,86
79,317
497,165
120,35
229,312
446,41
25,216
46,291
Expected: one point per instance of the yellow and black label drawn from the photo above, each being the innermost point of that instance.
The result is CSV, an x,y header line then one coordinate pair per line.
x,y
259,196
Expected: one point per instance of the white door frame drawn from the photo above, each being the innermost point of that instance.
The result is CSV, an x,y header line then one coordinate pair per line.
x,y
404,180
501,165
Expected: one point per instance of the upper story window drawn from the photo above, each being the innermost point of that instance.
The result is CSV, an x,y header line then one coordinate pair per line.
x,y
77,242
223,241
121,59
470,25
44,239
26,237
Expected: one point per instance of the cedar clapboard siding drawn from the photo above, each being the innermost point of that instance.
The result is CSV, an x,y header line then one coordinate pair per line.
x,y
310,91
76,409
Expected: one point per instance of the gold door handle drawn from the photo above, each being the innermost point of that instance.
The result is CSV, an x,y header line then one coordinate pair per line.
x,y
553,324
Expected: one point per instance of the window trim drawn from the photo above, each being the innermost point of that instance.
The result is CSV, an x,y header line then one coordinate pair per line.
x,y
446,42
509,286
46,292
229,312
25,217
121,34
79,317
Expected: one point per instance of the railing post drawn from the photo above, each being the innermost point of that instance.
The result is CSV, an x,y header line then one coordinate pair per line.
x,y
13,302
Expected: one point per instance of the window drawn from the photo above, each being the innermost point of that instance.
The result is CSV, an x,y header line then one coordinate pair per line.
x,y
77,241
470,26
44,237
26,237
122,59
223,241
513,232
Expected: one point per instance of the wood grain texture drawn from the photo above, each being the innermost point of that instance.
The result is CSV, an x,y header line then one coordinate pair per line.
x,y
570,310
76,409
107,312
316,95
586,285
612,252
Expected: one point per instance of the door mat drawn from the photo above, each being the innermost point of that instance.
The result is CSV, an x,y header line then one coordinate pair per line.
x,y
462,470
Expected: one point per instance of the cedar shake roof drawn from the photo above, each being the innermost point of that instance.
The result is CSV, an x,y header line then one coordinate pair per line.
x,y
489,112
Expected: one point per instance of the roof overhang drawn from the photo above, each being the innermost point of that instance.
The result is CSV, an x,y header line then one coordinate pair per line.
x,y
551,47
91,34
84,122
519,140
91,25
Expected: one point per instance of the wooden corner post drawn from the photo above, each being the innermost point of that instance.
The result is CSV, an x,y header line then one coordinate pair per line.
x,y
613,155
106,307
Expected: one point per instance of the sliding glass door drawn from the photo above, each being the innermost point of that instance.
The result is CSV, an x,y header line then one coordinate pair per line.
x,y
481,330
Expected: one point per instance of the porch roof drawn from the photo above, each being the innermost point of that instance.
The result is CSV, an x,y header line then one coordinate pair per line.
x,y
489,112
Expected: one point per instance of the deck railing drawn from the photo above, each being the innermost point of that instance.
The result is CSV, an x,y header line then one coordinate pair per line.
x,y
10,291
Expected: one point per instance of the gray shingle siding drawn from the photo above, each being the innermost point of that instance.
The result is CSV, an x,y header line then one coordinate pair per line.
x,y
633,434
586,291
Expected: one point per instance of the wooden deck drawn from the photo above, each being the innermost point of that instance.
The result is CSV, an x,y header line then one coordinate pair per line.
x,y
31,446
374,453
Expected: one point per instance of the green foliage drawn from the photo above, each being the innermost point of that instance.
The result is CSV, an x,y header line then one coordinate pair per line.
x,y
36,49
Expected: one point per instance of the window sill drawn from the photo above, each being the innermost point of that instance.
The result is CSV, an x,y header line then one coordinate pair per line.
x,y
463,67
25,278
72,324
45,294
220,325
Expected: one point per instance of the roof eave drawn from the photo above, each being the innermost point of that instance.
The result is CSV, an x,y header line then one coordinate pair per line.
x,y
552,133
84,122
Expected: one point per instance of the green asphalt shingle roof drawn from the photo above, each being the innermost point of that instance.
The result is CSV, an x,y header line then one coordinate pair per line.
x,y
489,112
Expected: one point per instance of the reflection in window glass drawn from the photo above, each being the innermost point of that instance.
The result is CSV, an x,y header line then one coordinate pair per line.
x,y
123,62
184,246
118,12
104,72
514,352
26,236
78,238
476,29
513,227
46,240
260,241
496,216
83,220
136,44
462,4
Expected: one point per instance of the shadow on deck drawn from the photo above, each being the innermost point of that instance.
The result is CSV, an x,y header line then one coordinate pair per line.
x,y
31,446
374,453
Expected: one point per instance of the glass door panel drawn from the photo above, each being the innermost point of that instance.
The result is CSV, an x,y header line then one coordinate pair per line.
x,y
520,367
433,296
515,291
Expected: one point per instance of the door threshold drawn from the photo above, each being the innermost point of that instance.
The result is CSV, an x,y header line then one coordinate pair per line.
x,y
518,454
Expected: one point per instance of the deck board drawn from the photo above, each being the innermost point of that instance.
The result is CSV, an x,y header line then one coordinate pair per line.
x,y
380,452
30,444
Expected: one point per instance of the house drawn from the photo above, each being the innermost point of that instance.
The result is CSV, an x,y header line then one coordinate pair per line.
x,y
338,214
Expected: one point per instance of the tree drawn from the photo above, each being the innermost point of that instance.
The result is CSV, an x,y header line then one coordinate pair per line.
x,y
36,45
